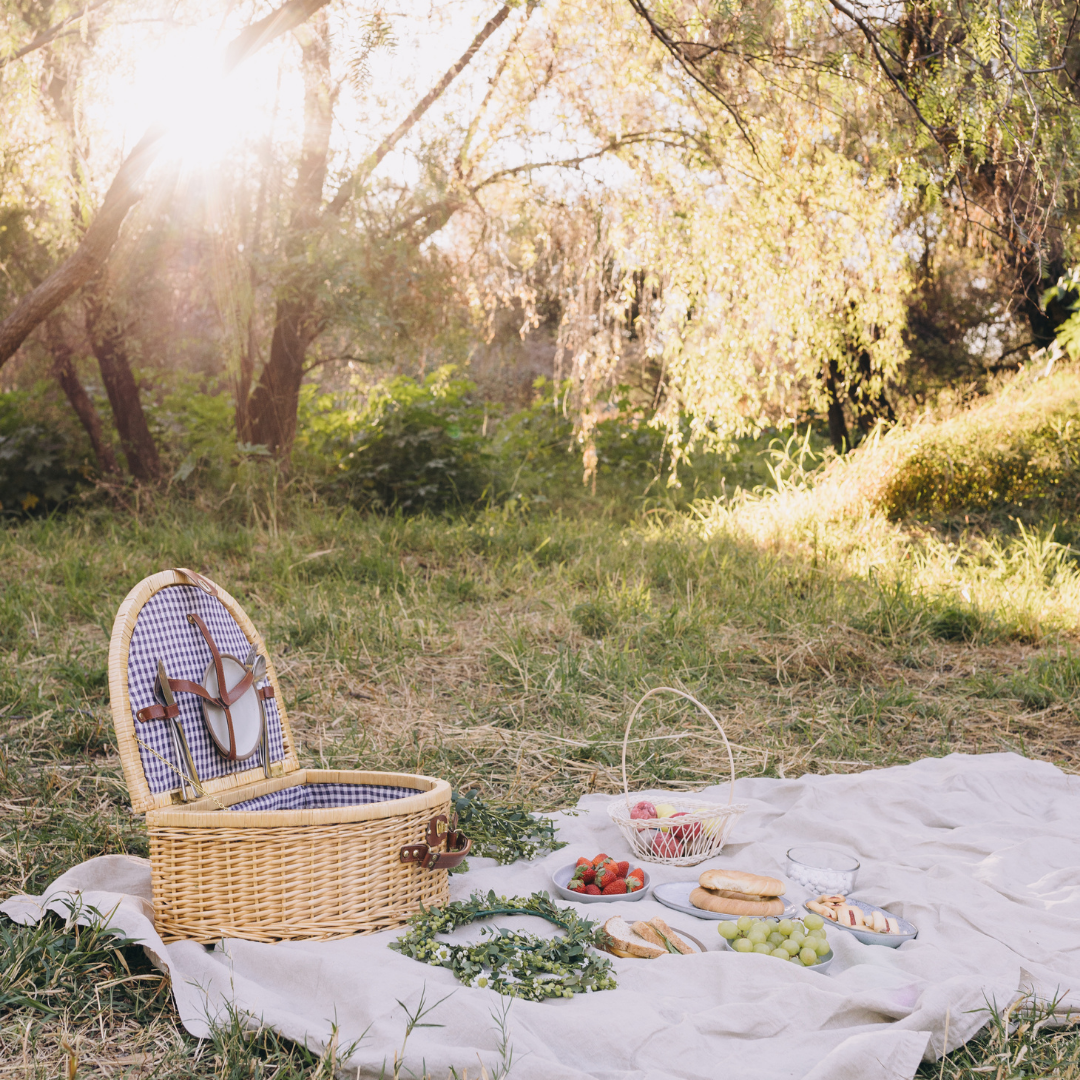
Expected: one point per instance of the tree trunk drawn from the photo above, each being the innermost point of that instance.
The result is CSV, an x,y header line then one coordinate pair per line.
x,y
297,320
63,369
107,341
869,409
838,431
273,405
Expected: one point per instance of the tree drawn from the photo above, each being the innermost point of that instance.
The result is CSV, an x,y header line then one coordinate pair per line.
x,y
975,104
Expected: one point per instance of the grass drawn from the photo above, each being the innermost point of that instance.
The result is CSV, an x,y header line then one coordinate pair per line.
x,y
503,651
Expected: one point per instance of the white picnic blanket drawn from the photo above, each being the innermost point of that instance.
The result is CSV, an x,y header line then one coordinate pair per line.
x,y
981,853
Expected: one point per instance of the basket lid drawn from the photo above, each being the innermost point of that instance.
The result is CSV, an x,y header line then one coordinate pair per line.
x,y
151,625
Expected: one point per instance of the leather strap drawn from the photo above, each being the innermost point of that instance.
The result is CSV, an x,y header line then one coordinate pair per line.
x,y
158,712
428,855
225,696
202,583
265,692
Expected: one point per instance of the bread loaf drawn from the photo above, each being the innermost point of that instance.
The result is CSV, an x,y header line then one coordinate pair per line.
x,y
741,882
727,905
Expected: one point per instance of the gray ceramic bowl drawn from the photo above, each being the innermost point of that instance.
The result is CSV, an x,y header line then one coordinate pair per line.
x,y
908,931
561,878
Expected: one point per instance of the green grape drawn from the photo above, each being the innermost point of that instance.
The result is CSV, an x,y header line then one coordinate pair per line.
x,y
744,923
742,945
798,938
728,930
785,926
758,934
775,938
820,946
763,947
783,954
818,931
770,922
795,959
791,948
808,957
813,921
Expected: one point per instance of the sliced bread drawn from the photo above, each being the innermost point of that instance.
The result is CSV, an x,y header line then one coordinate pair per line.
x,y
626,941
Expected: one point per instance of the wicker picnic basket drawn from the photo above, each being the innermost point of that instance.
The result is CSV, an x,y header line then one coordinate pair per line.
x,y
263,851
701,829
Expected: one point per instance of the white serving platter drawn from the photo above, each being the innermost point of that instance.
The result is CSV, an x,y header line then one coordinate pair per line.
x,y
908,931
676,895
561,878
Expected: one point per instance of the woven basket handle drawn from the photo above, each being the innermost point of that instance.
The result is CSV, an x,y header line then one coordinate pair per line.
x,y
694,700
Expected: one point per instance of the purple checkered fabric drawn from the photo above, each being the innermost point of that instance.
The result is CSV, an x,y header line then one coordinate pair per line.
x,y
162,630
324,797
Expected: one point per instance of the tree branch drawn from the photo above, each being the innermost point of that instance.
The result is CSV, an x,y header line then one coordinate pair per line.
x,y
123,193
52,33
371,162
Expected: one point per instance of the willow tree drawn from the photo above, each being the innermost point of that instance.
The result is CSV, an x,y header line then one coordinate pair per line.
x,y
976,104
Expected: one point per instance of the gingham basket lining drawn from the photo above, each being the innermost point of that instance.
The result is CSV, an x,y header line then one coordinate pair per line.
x,y
162,630
325,796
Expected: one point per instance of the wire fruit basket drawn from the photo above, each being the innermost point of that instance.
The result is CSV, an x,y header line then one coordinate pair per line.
x,y
690,830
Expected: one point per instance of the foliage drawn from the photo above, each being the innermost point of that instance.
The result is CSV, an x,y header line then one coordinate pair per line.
x,y
502,833
513,963
59,967
416,446
41,465
1014,453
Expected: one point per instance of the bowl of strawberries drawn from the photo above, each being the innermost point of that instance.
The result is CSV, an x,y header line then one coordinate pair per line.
x,y
600,880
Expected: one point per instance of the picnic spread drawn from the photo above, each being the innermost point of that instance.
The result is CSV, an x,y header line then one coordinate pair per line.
x,y
827,926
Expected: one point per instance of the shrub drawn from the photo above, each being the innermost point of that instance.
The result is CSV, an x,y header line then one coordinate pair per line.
x,y
416,446
42,464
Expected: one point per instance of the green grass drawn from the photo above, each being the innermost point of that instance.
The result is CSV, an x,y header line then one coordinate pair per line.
x,y
503,651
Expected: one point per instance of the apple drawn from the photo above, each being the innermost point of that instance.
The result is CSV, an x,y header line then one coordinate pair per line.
x,y
686,833
643,810
667,847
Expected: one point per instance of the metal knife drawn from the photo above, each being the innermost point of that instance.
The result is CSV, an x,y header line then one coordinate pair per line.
x,y
188,775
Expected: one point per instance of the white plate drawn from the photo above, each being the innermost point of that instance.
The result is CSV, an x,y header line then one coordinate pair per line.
x,y
561,878
908,931
676,895
822,968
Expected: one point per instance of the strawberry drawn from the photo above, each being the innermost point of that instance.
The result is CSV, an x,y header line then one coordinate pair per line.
x,y
616,887
592,890
608,877
632,884
623,868
588,875
601,859
575,886
638,875
583,861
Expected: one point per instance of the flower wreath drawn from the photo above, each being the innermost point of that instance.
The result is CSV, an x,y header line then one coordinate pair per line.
x,y
516,964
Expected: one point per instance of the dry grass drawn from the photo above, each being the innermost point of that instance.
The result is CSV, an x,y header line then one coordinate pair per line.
x,y
504,653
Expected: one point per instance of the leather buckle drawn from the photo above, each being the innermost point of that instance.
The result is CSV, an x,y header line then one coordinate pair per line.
x,y
428,856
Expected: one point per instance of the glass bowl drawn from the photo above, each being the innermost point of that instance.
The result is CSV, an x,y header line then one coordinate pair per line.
x,y
822,870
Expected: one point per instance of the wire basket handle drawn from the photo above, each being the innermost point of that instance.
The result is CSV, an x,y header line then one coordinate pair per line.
x,y
694,700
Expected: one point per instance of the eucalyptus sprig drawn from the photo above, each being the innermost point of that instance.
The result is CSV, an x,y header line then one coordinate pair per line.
x,y
502,833
516,964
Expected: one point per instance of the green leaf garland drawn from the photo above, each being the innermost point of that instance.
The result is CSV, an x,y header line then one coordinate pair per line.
x,y
515,964
502,833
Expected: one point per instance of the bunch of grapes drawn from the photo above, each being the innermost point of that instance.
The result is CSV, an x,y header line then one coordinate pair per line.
x,y
800,940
